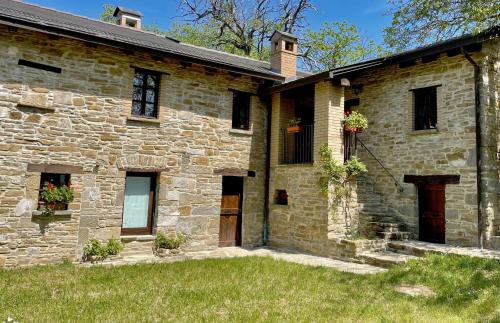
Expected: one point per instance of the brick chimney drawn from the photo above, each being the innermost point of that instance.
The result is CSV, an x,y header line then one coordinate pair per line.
x,y
284,54
128,18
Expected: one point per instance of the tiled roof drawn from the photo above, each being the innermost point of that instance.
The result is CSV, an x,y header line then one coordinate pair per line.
x,y
39,18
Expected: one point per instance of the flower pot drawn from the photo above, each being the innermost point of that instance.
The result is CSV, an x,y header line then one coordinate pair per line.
x,y
295,129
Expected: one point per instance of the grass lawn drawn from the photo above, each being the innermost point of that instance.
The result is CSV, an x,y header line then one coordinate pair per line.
x,y
251,289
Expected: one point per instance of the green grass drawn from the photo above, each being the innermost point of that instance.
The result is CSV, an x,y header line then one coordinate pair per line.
x,y
251,289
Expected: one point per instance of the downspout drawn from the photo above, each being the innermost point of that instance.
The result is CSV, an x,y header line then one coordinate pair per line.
x,y
265,226
477,89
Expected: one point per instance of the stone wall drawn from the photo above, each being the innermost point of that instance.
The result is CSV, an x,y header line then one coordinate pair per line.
x,y
81,118
387,101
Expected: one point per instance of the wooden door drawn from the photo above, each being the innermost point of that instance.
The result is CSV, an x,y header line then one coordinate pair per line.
x,y
230,212
432,222
230,217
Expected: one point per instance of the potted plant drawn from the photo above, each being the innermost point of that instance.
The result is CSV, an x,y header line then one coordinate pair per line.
x,y
55,198
294,125
354,122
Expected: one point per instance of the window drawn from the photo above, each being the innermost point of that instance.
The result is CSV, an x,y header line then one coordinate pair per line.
x,y
281,197
241,110
57,180
145,96
425,108
289,46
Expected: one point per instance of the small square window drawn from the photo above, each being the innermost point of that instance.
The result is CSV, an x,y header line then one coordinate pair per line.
x,y
289,46
425,108
56,180
281,197
241,110
145,94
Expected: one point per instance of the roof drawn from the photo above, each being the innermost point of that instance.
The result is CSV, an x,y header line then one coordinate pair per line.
x,y
19,14
467,41
125,10
283,33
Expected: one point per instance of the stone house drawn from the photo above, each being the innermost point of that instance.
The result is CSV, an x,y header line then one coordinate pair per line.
x,y
157,135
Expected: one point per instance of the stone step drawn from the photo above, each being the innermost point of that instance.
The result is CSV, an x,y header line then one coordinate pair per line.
x,y
399,235
406,249
137,246
384,259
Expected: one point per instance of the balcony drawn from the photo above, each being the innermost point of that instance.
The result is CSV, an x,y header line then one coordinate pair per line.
x,y
297,147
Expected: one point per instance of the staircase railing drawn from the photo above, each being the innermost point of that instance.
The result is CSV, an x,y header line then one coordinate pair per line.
x,y
396,182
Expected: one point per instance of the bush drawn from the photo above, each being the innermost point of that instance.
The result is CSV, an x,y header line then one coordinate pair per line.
x,y
164,242
114,247
94,249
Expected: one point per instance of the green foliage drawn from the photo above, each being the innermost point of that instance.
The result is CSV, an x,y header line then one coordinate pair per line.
x,y
164,242
336,44
107,13
94,250
294,122
114,247
418,22
354,121
337,183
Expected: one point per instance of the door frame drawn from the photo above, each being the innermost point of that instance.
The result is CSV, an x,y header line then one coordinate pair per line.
x,y
239,221
151,208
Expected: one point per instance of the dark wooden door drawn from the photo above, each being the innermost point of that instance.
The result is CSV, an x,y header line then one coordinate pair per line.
x,y
230,212
230,217
432,222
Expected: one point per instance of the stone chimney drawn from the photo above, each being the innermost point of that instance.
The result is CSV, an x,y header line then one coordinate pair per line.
x,y
128,18
284,54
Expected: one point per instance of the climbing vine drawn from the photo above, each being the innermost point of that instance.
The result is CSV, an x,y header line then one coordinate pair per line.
x,y
337,183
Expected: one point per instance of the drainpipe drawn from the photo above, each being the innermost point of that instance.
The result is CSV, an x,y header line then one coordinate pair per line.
x,y
265,226
477,89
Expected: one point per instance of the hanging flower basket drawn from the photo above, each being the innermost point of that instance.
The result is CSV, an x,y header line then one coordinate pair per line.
x,y
354,122
295,129
294,125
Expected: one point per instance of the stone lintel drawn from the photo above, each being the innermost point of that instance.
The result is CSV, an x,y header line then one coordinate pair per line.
x,y
57,169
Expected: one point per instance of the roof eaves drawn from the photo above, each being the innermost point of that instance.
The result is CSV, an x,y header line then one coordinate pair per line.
x,y
110,42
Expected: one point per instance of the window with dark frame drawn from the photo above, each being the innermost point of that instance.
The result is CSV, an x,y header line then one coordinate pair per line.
x,y
425,108
289,46
54,179
146,92
241,110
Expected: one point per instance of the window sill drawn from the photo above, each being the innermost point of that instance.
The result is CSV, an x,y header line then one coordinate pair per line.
x,y
144,119
28,105
281,206
424,132
241,132
37,216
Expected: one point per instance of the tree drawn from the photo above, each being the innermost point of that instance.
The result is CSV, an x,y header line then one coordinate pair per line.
x,y
336,44
245,25
417,22
107,13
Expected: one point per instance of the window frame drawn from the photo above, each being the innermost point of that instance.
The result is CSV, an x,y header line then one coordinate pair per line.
x,y
144,88
417,106
236,122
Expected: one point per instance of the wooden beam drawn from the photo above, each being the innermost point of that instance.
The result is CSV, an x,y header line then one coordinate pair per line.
x,y
432,179
234,172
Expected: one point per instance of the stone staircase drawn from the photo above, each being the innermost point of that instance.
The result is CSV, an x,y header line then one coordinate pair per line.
x,y
376,217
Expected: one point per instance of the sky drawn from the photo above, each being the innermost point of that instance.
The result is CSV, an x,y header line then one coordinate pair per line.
x,y
368,15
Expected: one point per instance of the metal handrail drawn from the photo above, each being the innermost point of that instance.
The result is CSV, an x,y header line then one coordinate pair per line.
x,y
396,182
